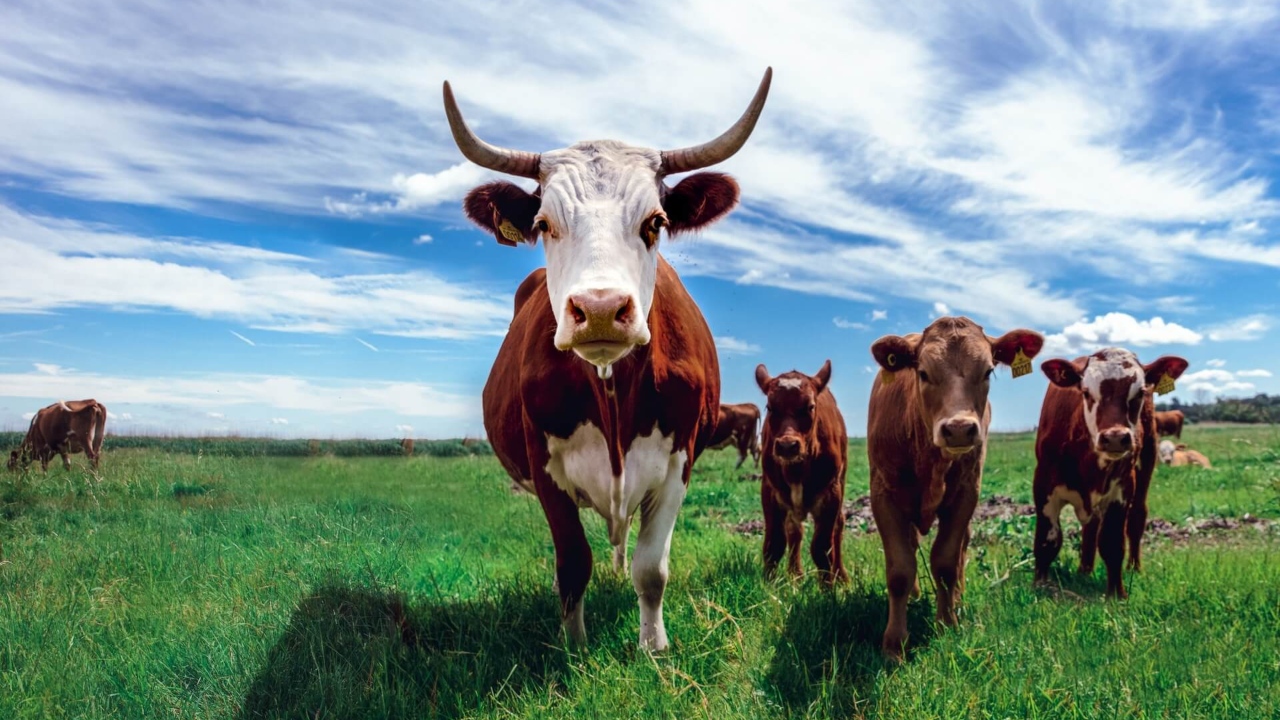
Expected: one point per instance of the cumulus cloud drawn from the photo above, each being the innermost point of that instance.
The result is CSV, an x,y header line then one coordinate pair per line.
x,y
729,345
940,309
423,239
1245,328
877,315
1120,330
404,430
1259,373
1215,382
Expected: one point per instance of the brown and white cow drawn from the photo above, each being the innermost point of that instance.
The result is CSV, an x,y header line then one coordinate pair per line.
x,y
1169,422
1096,451
607,385
805,456
63,428
737,425
926,443
1180,455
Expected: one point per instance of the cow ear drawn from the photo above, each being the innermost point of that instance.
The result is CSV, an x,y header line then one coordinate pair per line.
x,y
1063,373
762,378
1005,348
822,378
699,200
505,210
1170,365
895,352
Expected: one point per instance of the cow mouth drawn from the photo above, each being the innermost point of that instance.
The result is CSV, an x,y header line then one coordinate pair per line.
x,y
958,451
602,353
1113,456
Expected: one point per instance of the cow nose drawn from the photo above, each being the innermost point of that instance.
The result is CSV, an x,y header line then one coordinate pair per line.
x,y
601,315
960,432
787,447
1116,440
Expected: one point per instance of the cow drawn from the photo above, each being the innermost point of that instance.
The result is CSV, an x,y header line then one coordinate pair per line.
x,y
926,442
606,387
406,447
1096,451
805,456
63,428
736,425
1179,455
1169,422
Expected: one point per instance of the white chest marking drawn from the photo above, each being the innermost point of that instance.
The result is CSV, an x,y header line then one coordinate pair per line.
x,y
580,466
1053,510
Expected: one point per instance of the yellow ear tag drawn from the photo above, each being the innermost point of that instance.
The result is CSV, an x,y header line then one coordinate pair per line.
x,y
1021,364
886,376
510,232
1165,386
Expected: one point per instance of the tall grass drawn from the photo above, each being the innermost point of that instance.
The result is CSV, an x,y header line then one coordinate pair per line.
x,y
273,447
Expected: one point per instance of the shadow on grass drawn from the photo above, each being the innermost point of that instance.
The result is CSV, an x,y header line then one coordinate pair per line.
x,y
352,652
829,649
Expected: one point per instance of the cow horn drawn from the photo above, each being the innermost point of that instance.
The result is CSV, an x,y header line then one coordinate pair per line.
x,y
723,147
512,162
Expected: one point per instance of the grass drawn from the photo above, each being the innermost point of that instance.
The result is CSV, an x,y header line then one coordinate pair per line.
x,y
207,585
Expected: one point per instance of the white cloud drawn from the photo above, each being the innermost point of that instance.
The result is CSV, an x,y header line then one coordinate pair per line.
x,y
1245,328
423,239
940,309
844,324
1117,329
123,417
404,430
367,344
729,345
244,339
28,415
1216,363
878,315
48,369
215,416
279,421
1259,373
1214,382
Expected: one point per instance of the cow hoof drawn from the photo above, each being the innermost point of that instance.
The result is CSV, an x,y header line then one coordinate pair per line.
x,y
1085,570
892,652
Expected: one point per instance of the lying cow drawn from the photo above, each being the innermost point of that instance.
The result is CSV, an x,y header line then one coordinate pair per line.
x,y
63,428
736,425
1179,456
1169,422
926,443
805,456
1096,451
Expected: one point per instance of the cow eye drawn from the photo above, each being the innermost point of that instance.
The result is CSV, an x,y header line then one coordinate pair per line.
x,y
990,372
924,376
542,226
650,230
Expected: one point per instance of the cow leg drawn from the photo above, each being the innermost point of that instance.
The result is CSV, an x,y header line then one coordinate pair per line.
x,y
775,541
653,545
946,559
620,550
1048,542
573,556
1111,547
1136,525
828,535
742,453
899,539
794,527
1089,543
66,459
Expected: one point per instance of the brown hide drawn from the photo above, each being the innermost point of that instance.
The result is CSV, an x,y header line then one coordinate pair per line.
x,y
63,429
1169,422
736,425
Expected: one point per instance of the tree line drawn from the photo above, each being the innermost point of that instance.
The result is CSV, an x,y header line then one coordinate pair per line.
x,y
1261,408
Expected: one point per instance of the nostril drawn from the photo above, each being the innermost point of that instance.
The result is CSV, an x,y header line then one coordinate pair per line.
x,y
973,431
579,316
623,316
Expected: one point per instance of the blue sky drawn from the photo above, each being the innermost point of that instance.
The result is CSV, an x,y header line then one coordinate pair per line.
x,y
234,216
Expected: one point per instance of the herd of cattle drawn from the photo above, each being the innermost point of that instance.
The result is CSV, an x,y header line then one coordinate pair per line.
x,y
606,389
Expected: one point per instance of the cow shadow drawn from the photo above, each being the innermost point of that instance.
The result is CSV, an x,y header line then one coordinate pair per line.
x,y
355,652
829,649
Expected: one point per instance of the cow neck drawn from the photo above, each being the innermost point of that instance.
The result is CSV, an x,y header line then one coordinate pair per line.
x,y
607,404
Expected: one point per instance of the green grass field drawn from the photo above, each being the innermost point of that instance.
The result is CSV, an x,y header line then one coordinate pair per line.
x,y
185,585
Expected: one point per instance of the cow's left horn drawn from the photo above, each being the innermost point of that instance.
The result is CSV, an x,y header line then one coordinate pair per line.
x,y
512,162
723,147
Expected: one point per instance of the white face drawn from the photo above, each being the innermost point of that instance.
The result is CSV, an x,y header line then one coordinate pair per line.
x,y
598,199
1112,384
1166,451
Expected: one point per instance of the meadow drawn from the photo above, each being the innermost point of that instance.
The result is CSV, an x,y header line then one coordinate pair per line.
x,y
192,581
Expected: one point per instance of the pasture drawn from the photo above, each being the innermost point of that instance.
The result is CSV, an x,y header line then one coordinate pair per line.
x,y
190,583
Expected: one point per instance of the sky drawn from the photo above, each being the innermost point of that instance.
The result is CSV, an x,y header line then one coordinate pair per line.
x,y
245,217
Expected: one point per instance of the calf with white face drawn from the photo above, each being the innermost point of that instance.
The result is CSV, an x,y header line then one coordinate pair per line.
x,y
1096,449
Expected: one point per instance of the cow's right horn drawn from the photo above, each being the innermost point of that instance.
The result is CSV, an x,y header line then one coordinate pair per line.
x,y
723,147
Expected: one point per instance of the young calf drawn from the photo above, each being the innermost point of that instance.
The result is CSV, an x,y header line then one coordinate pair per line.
x,y
1179,455
926,442
1096,451
805,454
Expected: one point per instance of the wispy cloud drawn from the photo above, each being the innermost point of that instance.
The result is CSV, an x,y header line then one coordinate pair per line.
x,y
279,421
243,339
367,344
729,345
844,324
1246,328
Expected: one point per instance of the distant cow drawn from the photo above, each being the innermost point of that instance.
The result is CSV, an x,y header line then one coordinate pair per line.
x,y
926,443
1178,455
1096,451
63,428
406,446
1169,422
737,425
607,385
805,457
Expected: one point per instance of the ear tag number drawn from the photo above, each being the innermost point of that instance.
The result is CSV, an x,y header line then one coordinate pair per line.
x,y
510,232
1021,364
1165,386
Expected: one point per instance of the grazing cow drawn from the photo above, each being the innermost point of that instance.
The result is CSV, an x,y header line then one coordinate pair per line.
x,y
805,454
406,446
607,385
926,443
63,428
1179,456
1169,422
1096,451
737,425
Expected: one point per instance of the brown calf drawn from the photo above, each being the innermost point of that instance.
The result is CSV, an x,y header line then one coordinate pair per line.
x,y
1096,451
1179,455
1169,422
63,428
805,456
737,425
926,442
